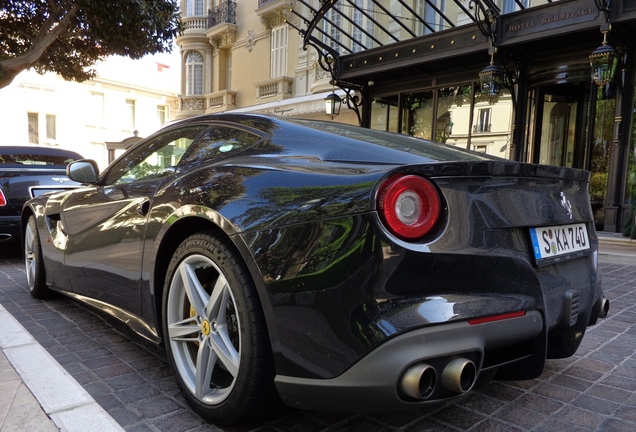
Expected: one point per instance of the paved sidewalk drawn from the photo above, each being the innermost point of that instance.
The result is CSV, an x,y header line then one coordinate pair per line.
x,y
19,410
36,393
618,248
39,395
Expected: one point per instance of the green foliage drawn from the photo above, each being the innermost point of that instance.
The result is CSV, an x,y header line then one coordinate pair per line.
x,y
598,186
630,190
630,193
70,36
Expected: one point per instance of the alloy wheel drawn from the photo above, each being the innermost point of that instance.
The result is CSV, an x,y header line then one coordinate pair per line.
x,y
203,329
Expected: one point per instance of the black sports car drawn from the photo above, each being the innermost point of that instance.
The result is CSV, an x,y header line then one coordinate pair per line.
x,y
338,267
27,171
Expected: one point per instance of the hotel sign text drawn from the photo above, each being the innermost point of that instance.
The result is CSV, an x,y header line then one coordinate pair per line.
x,y
548,20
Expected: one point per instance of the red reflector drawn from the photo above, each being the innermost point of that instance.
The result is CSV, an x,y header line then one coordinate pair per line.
x,y
496,317
3,200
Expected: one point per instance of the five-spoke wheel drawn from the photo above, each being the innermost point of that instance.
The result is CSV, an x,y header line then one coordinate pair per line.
x,y
215,331
35,274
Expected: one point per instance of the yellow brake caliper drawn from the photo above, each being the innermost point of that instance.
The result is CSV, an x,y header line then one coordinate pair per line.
x,y
204,326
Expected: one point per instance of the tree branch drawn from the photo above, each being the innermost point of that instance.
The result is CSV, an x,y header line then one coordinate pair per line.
x,y
49,32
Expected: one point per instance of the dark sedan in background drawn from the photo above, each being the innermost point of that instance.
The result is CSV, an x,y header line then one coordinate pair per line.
x,y
26,172
331,266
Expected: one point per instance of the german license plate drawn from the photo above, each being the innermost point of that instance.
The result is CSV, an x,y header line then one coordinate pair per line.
x,y
554,241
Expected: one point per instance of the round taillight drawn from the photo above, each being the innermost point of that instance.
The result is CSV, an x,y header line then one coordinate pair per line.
x,y
409,205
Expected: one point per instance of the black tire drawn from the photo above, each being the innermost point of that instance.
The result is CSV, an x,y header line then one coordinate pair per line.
x,y
215,319
36,276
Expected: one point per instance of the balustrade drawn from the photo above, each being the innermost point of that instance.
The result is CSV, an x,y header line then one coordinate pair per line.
x,y
225,13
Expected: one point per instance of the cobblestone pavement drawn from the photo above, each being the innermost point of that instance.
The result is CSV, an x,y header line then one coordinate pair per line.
x,y
595,390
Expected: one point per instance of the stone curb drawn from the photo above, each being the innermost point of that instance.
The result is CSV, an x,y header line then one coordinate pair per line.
x,y
61,397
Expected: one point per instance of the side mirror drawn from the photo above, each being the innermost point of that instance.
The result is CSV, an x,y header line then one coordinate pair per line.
x,y
83,171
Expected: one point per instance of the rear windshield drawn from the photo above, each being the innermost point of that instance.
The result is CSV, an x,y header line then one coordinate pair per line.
x,y
405,143
37,160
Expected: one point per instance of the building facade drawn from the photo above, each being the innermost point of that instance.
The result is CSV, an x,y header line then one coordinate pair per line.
x,y
97,118
510,78
243,55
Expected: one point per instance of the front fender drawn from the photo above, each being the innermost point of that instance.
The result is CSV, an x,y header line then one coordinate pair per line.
x,y
52,255
168,225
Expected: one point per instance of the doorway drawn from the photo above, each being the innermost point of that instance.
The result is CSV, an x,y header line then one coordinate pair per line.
x,y
571,126
558,129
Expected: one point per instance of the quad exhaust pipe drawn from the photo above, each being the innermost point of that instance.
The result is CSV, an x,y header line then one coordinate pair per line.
x,y
420,380
459,375
600,310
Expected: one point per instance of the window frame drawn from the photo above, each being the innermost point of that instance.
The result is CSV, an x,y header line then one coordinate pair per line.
x,y
191,158
194,73
162,114
51,127
131,104
195,8
279,51
484,120
332,36
365,23
139,154
33,127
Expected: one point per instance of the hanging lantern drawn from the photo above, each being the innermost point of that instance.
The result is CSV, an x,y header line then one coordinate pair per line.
x,y
332,105
603,63
492,80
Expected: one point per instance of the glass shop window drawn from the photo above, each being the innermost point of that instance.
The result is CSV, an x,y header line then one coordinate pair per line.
x,y
452,115
492,121
417,114
384,113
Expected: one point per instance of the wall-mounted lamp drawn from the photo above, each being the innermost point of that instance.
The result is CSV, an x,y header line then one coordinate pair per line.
x,y
492,78
332,105
448,130
603,61
353,93
444,127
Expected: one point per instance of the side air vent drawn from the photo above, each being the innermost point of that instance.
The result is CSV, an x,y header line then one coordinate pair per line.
x,y
571,312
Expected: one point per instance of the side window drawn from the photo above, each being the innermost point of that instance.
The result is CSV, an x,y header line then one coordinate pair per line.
x,y
156,158
218,142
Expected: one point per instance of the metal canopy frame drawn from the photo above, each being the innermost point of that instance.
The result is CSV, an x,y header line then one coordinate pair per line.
x,y
322,21
317,34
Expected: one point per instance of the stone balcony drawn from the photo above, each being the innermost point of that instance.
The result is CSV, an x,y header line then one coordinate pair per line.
x,y
220,101
217,27
194,28
271,12
222,26
278,88
190,106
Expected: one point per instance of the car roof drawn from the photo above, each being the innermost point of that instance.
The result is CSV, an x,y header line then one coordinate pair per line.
x,y
37,149
30,156
330,140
